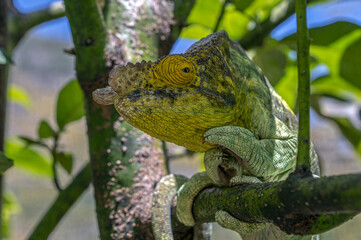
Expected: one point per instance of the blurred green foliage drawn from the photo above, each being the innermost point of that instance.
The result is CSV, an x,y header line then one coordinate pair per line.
x,y
28,158
28,153
337,45
19,95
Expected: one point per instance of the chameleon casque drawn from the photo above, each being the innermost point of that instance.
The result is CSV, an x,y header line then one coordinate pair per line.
x,y
212,99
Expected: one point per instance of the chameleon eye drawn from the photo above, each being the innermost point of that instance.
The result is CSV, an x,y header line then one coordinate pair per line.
x,y
176,71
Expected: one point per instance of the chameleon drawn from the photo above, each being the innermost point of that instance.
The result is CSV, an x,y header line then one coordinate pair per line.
x,y
214,99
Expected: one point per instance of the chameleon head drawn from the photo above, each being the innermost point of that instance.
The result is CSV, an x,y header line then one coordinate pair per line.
x,y
179,97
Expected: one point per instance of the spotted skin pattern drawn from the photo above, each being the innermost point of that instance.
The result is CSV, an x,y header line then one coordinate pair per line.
x,y
212,99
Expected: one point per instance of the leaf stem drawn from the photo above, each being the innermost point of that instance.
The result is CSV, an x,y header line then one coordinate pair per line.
x,y
53,153
303,62
62,204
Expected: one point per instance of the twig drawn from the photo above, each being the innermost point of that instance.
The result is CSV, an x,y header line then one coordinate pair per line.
x,y
62,204
303,62
221,15
257,35
20,23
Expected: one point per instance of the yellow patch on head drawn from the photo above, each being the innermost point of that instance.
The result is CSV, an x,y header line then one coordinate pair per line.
x,y
175,71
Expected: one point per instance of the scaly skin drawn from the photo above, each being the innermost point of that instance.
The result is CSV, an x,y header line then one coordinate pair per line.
x,y
211,99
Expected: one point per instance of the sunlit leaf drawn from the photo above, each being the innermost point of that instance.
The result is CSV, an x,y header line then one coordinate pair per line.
x,y
337,87
70,105
28,158
10,207
44,130
19,95
5,163
350,68
287,86
234,22
259,10
195,31
205,12
65,160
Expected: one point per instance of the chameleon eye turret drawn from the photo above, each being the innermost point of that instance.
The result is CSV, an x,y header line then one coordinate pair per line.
x,y
176,71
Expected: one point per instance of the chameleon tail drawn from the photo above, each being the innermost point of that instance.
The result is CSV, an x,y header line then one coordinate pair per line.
x,y
163,196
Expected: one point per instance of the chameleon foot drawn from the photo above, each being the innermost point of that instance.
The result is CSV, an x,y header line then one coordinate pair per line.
x,y
221,166
267,158
226,220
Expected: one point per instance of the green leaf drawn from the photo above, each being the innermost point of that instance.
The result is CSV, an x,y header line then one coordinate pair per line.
x,y
242,4
259,10
5,163
331,33
331,55
65,160
28,158
205,12
44,130
5,58
234,22
273,63
19,95
328,34
70,106
337,87
350,68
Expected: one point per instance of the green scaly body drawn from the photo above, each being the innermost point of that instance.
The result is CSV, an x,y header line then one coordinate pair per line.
x,y
211,99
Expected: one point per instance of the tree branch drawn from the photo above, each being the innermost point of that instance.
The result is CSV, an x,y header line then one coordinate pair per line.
x,y
299,206
62,204
303,63
20,23
256,36
280,13
90,38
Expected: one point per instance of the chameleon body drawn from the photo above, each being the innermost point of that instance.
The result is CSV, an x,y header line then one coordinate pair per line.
x,y
212,99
